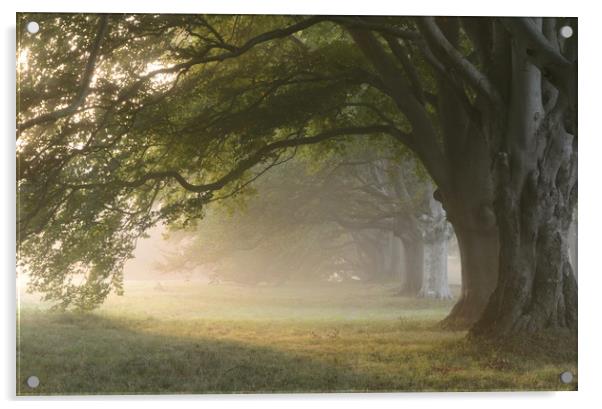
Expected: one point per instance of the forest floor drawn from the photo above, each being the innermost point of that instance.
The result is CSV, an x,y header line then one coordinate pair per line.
x,y
189,337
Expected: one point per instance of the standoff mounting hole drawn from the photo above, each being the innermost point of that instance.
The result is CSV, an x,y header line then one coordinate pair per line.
x,y
566,377
566,31
32,27
33,381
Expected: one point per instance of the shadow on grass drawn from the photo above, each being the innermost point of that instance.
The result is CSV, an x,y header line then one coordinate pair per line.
x,y
89,354
75,353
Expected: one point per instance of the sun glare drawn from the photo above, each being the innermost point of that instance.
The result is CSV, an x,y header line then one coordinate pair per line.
x,y
159,79
22,60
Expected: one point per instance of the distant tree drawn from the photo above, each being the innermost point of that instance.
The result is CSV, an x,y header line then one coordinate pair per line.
x,y
274,234
348,217
436,233
389,202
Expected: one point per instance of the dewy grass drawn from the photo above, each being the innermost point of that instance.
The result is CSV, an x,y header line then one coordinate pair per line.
x,y
195,338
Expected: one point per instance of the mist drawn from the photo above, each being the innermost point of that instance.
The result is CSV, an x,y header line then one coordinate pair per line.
x,y
364,221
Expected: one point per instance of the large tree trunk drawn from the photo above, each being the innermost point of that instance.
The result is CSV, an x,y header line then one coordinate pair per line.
x,y
537,289
479,256
536,177
461,170
468,202
535,286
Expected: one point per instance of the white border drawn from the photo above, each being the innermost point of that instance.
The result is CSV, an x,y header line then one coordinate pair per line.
x,y
590,279
429,7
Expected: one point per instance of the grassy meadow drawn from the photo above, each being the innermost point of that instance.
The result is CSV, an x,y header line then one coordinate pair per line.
x,y
190,337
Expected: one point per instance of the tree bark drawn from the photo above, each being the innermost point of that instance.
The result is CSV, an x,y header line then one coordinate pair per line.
x,y
573,245
468,203
479,256
536,178
537,289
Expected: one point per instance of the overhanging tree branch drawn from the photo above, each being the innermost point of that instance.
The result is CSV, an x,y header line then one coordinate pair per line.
x,y
439,43
554,66
424,136
526,31
244,164
355,22
401,54
234,51
202,58
84,87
